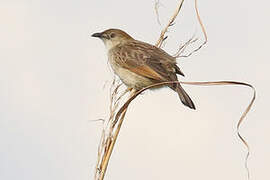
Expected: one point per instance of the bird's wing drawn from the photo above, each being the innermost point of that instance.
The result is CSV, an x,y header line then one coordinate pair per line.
x,y
145,60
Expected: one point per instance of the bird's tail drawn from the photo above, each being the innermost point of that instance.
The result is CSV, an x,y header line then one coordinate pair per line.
x,y
184,97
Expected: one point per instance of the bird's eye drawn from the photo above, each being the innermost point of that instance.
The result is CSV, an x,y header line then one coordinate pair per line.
x,y
112,35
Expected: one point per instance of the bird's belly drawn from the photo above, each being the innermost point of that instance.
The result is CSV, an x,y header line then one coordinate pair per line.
x,y
131,79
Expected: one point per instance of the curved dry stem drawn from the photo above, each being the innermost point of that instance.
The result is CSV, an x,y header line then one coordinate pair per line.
x,y
119,117
244,114
208,83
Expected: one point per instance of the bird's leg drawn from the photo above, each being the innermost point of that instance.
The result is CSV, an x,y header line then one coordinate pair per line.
x,y
132,91
124,93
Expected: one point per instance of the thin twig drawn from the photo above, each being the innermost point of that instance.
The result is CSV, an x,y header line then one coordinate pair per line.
x,y
184,46
157,4
204,34
97,120
171,22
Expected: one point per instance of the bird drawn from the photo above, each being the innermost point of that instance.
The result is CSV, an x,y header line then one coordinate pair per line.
x,y
139,64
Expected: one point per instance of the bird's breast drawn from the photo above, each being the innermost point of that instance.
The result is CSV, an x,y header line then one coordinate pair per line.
x,y
128,77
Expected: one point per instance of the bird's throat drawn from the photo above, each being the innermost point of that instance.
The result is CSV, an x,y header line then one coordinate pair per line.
x,y
110,44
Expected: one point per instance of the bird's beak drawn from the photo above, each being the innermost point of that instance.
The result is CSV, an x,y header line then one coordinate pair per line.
x,y
98,35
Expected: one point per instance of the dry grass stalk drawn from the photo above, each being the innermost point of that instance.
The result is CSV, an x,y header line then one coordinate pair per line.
x,y
111,129
112,126
108,135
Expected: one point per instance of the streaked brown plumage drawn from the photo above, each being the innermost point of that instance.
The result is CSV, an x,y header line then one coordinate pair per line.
x,y
139,64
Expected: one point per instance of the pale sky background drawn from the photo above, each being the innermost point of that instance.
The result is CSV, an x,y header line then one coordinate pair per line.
x,y
51,84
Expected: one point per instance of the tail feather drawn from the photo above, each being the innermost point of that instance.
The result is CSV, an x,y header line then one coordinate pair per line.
x,y
184,97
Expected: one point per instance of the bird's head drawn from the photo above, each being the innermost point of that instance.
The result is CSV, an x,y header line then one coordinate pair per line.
x,y
112,37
